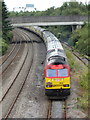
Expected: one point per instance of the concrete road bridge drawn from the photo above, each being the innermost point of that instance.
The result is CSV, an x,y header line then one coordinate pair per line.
x,y
49,20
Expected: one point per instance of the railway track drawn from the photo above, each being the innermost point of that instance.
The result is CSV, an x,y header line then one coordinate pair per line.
x,y
19,91
57,109
61,112
13,83
65,110
11,56
83,58
49,110
52,108
4,58
9,52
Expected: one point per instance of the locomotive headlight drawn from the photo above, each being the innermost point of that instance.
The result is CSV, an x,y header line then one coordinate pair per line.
x,y
48,84
66,85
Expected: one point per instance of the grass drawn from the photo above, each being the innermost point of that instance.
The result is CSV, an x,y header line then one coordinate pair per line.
x,y
81,74
84,80
71,60
5,42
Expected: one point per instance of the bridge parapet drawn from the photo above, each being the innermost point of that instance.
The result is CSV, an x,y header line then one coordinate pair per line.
x,y
37,19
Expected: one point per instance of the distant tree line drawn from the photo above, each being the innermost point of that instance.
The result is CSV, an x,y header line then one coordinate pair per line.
x,y
80,38
68,8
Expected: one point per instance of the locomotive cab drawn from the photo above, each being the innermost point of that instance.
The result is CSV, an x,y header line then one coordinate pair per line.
x,y
57,80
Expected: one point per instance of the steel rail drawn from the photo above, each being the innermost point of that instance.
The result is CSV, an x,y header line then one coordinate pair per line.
x,y
13,81
49,110
4,58
65,110
20,89
76,54
15,55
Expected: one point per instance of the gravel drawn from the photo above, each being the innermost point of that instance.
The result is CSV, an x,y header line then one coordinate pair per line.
x,y
32,103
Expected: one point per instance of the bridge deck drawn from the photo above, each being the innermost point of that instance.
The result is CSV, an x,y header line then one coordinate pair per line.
x,y
49,20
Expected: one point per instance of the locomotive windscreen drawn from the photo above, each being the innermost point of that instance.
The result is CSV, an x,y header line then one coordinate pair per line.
x,y
51,72
62,72
57,73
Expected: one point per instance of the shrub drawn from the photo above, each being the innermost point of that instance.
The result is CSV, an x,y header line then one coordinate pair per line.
x,y
3,46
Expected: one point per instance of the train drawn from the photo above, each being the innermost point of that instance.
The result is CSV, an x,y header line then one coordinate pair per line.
x,y
57,69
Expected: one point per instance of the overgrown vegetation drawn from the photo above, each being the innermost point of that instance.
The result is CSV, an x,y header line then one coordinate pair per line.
x,y
5,34
80,39
80,73
3,46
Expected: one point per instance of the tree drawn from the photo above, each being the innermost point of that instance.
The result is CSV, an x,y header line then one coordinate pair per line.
x,y
6,26
81,39
5,29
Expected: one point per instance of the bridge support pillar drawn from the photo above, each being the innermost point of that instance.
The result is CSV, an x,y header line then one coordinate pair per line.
x,y
73,27
78,27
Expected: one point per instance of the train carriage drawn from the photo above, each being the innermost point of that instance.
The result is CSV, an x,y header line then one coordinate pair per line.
x,y
57,70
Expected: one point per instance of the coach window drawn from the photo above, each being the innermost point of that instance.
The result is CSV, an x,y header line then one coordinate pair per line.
x,y
51,73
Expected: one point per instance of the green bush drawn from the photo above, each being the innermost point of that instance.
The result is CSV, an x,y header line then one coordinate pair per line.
x,y
3,46
10,36
80,39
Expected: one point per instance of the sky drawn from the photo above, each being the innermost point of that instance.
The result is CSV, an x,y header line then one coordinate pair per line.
x,y
38,4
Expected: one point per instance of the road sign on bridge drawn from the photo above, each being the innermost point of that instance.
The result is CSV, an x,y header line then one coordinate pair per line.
x,y
29,5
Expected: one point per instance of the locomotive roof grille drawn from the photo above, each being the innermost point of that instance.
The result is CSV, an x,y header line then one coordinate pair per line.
x,y
59,61
57,58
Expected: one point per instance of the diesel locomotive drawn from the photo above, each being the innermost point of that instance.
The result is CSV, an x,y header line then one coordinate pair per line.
x,y
57,70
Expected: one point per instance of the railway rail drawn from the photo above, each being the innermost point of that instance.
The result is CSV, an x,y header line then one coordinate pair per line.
x,y
4,58
82,58
65,110
10,58
57,111
19,91
49,113
2,101
49,110
62,105
9,52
